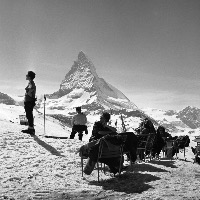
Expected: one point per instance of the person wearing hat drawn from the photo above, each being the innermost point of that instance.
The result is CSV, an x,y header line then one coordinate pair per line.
x,y
79,124
29,102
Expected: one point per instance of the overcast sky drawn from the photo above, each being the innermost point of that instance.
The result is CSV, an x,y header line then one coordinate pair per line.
x,y
148,49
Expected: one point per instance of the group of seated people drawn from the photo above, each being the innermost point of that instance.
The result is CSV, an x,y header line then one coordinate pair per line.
x,y
102,129
132,142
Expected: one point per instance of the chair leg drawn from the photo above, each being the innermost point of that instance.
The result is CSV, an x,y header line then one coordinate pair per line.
x,y
130,159
184,152
98,170
121,163
82,166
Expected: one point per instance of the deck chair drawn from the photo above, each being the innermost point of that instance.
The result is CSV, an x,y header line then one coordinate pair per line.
x,y
183,149
168,147
148,145
197,149
108,150
83,157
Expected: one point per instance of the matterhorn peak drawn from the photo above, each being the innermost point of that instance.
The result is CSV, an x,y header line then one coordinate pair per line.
x,y
83,82
82,74
82,56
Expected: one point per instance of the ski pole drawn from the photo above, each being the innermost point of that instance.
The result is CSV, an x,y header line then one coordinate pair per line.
x,y
44,112
123,125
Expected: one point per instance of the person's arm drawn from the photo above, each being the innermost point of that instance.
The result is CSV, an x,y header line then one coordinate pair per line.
x,y
95,129
85,119
105,132
72,122
111,128
99,130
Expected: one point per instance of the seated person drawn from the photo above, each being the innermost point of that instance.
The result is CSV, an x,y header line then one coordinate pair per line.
x,y
165,135
79,124
145,127
101,128
159,142
196,152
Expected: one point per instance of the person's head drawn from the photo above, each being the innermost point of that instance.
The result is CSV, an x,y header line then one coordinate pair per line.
x,y
78,109
105,117
146,123
30,75
161,129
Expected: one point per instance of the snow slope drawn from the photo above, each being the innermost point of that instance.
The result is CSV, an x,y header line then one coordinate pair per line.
x,y
45,168
10,116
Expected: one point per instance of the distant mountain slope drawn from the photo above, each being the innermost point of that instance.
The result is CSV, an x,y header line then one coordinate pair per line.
x,y
5,99
190,116
186,120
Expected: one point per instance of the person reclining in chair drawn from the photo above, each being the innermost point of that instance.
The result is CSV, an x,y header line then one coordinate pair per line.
x,y
102,129
145,127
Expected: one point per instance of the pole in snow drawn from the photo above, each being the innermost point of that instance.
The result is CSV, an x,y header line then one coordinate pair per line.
x,y
44,112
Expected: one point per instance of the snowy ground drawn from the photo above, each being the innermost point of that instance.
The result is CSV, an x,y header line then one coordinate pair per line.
x,y
46,168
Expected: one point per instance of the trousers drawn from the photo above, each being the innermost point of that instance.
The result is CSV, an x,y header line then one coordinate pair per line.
x,y
28,106
79,129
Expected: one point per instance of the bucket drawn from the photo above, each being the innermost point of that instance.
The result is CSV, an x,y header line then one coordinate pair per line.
x,y
23,120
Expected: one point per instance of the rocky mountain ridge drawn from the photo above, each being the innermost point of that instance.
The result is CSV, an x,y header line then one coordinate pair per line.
x,y
190,116
83,78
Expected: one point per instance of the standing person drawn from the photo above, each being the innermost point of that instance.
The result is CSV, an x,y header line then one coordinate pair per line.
x,y
29,102
79,124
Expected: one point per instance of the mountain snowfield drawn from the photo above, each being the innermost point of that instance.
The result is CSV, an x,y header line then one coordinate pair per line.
x,y
47,168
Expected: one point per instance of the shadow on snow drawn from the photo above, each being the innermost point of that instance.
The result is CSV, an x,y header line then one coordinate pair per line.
x,y
48,147
128,182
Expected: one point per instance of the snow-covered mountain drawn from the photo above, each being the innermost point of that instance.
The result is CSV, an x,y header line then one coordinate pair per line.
x,y
186,120
190,116
83,87
5,99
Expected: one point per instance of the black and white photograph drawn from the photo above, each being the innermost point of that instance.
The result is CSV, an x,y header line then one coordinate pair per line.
x,y
100,99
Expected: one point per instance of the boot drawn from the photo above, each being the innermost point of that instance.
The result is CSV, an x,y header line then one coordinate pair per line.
x,y
29,131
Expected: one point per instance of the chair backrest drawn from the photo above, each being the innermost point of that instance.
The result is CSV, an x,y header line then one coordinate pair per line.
x,y
150,141
197,140
169,143
108,150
